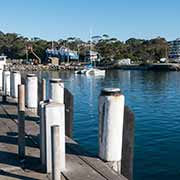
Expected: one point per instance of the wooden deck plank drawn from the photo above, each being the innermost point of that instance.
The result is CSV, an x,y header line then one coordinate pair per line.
x,y
77,169
94,162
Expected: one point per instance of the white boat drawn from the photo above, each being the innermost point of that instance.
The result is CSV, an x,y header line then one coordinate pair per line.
x,y
91,72
95,72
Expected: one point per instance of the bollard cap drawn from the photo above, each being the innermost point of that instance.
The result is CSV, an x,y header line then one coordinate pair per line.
x,y
110,92
6,72
56,80
55,126
31,75
48,101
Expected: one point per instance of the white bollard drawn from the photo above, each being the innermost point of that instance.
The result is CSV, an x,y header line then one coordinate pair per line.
x,y
6,82
31,91
57,90
52,113
1,79
56,149
111,114
15,81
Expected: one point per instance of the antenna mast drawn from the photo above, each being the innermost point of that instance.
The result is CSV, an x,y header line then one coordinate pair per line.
x,y
90,48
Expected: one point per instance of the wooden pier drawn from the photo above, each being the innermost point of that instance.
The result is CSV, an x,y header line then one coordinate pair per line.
x,y
79,166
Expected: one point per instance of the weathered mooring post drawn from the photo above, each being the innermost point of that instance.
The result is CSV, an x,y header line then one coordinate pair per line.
x,y
128,144
56,149
4,98
69,105
57,90
41,93
52,113
111,115
21,121
1,79
15,81
43,89
32,91
43,133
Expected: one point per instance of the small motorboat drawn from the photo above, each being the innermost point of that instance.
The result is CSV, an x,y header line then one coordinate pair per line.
x,y
89,70
95,72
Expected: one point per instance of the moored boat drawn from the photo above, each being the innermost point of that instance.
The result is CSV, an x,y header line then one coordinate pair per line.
x,y
89,70
96,72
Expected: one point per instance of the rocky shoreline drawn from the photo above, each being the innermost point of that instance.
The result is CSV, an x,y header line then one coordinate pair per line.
x,y
71,67
22,67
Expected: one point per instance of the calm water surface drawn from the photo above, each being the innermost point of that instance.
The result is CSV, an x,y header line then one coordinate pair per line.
x,y
155,99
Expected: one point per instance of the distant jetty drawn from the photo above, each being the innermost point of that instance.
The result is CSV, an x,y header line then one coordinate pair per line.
x,y
152,67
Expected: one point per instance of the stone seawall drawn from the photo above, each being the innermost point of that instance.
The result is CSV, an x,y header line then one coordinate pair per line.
x,y
22,67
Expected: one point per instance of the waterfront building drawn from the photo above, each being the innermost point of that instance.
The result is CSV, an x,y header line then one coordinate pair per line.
x,y
174,51
64,54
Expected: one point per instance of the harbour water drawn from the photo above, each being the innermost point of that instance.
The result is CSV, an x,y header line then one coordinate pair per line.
x,y
155,99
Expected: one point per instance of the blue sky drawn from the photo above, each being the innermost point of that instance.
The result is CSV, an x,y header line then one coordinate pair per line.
x,y
55,19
